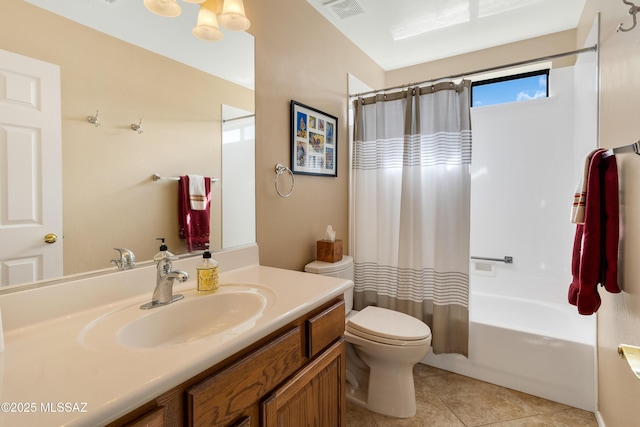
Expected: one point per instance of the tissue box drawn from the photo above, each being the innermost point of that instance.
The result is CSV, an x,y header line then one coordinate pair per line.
x,y
329,251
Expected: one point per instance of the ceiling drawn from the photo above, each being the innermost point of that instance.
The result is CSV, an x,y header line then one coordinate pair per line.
x,y
394,33
231,58
401,33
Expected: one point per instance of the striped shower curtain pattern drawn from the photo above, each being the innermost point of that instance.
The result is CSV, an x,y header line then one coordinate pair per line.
x,y
411,203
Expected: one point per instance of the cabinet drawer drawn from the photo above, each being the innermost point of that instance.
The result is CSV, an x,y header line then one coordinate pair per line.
x,y
221,398
324,328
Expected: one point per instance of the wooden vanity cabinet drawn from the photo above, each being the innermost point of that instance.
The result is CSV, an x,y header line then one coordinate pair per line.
x,y
294,377
314,396
221,398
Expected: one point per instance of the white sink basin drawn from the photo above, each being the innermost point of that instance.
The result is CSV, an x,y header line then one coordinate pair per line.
x,y
224,314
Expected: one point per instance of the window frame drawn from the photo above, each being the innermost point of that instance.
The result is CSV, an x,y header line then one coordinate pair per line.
x,y
541,72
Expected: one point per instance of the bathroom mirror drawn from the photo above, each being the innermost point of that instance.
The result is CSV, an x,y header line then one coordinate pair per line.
x,y
151,72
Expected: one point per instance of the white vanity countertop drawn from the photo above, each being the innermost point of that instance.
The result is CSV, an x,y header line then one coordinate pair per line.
x,y
48,377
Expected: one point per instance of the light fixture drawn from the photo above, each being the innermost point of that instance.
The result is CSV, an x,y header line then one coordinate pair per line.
x,y
228,13
233,17
168,8
207,27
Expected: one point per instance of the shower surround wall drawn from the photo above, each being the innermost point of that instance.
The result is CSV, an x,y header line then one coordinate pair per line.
x,y
523,182
524,171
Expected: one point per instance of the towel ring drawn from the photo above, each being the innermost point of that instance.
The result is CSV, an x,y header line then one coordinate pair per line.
x,y
280,169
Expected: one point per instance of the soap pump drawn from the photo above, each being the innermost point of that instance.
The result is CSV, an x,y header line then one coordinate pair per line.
x,y
164,252
207,273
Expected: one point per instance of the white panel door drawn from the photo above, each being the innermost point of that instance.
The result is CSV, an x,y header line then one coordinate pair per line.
x,y
30,170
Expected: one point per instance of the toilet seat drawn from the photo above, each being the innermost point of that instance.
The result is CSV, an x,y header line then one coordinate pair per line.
x,y
388,327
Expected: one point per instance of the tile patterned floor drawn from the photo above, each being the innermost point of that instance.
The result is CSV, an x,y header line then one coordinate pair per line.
x,y
445,399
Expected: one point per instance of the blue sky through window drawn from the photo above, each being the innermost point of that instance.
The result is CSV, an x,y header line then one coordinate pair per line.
x,y
510,89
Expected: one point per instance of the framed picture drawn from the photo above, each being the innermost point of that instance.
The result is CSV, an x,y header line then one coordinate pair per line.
x,y
314,141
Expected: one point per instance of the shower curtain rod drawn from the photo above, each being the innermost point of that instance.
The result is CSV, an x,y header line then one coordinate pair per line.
x,y
484,70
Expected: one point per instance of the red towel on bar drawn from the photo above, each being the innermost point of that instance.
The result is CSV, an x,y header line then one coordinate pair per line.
x,y
595,246
194,224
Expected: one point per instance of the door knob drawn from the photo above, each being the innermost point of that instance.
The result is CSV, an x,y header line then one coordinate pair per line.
x,y
50,238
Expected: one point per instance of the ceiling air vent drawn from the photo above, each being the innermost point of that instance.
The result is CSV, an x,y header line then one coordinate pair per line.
x,y
112,2
344,9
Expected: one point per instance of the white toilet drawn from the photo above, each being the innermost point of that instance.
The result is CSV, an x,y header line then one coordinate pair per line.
x,y
382,348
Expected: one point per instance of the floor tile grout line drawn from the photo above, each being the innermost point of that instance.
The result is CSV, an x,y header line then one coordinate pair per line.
x,y
510,392
425,384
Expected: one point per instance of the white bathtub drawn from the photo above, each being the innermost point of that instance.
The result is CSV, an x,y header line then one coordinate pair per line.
x,y
543,349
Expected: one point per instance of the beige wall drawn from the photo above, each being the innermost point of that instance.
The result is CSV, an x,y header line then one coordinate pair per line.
x,y
619,314
307,60
109,198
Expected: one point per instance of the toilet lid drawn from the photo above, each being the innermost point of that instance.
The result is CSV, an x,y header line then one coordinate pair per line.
x,y
383,324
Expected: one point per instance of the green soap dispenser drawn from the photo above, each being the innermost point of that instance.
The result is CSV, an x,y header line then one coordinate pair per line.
x,y
207,273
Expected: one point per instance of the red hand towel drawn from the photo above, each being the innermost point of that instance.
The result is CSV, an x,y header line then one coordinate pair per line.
x,y
194,224
609,269
574,288
595,248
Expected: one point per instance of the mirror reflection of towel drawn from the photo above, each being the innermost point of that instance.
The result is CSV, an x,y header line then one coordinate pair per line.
x,y
194,223
197,193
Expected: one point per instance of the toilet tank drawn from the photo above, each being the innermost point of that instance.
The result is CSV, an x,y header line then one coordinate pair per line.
x,y
342,269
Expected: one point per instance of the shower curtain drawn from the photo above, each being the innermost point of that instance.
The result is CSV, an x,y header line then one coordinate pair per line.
x,y
411,202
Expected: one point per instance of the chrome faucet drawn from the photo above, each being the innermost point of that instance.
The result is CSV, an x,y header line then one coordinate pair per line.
x,y
126,259
165,276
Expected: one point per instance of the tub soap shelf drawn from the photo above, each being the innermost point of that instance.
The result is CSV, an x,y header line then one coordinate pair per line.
x,y
632,355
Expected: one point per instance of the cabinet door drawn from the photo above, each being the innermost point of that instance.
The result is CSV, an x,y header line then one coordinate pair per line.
x,y
243,422
315,396
154,418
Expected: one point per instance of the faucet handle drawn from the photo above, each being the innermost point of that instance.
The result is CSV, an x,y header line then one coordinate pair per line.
x,y
126,260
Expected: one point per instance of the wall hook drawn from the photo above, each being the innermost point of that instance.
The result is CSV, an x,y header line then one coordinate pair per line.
x,y
633,10
137,127
94,120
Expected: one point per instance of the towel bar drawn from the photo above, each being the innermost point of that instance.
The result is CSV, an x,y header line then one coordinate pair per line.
x,y
157,177
632,355
631,148
506,259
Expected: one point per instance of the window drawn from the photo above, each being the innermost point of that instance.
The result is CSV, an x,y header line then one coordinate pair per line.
x,y
519,87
